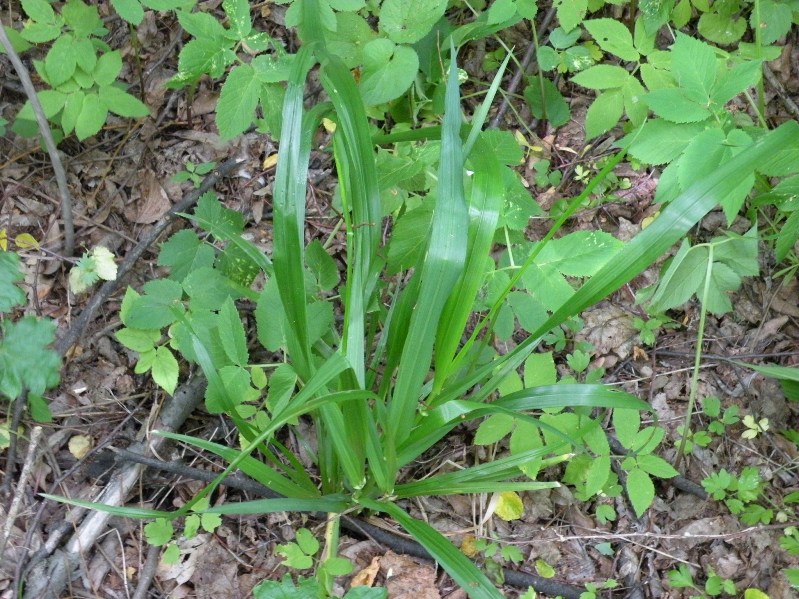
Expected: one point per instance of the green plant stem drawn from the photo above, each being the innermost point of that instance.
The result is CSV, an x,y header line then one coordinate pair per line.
x,y
700,337
332,530
761,88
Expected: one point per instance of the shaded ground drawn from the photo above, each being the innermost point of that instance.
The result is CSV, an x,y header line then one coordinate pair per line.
x,y
121,184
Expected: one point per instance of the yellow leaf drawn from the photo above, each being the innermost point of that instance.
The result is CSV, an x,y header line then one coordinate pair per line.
x,y
270,161
509,506
79,446
3,240
330,126
544,569
469,545
26,241
755,594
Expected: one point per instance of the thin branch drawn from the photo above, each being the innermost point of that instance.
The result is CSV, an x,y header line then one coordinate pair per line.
x,y
49,143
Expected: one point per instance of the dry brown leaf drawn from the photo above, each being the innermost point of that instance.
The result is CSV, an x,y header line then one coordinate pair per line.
x,y
408,579
154,202
366,577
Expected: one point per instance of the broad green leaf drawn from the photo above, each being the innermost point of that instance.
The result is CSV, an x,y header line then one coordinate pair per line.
x,y
203,55
694,65
675,105
231,387
503,145
352,33
61,60
183,253
775,20
614,37
602,76
39,10
19,43
409,239
322,266
159,532
659,141
208,289
85,55
238,13
52,102
130,10
721,29
388,70
202,25
165,369
656,466
570,12
539,370
235,110
83,18
72,108
408,21
107,68
626,424
546,102
597,475
122,103
509,506
91,118
604,113
493,428
640,490
11,294
26,359
232,334
682,278
138,340
736,80
787,236
153,310
634,104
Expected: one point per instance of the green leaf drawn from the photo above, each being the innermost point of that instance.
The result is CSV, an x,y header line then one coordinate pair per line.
x,y
238,13
597,475
83,19
153,310
61,60
493,428
202,25
183,253
787,236
26,360
19,43
693,64
352,33
388,71
408,21
232,334
235,110
640,490
626,422
604,113
570,12
659,141
721,29
307,541
775,20
11,295
208,289
85,55
39,10
91,118
130,10
602,76
165,369
656,466
612,36
232,385
546,102
410,238
509,506
682,278
138,340
159,532
676,105
205,56
322,266
122,103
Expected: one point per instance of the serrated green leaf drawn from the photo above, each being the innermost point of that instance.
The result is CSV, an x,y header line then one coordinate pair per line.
x,y
130,10
29,362
235,110
107,68
721,29
121,102
84,19
322,266
640,490
602,76
202,25
659,141
232,334
138,340
165,369
612,36
410,238
11,295
153,310
682,278
604,113
656,466
694,65
208,289
509,506
388,71
493,428
597,475
736,80
307,541
204,55
570,12
408,21
675,105
546,102
39,10
184,252
159,532
61,60
92,117
238,13
626,423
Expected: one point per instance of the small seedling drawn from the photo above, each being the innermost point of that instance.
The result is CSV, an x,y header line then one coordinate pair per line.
x,y
194,173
